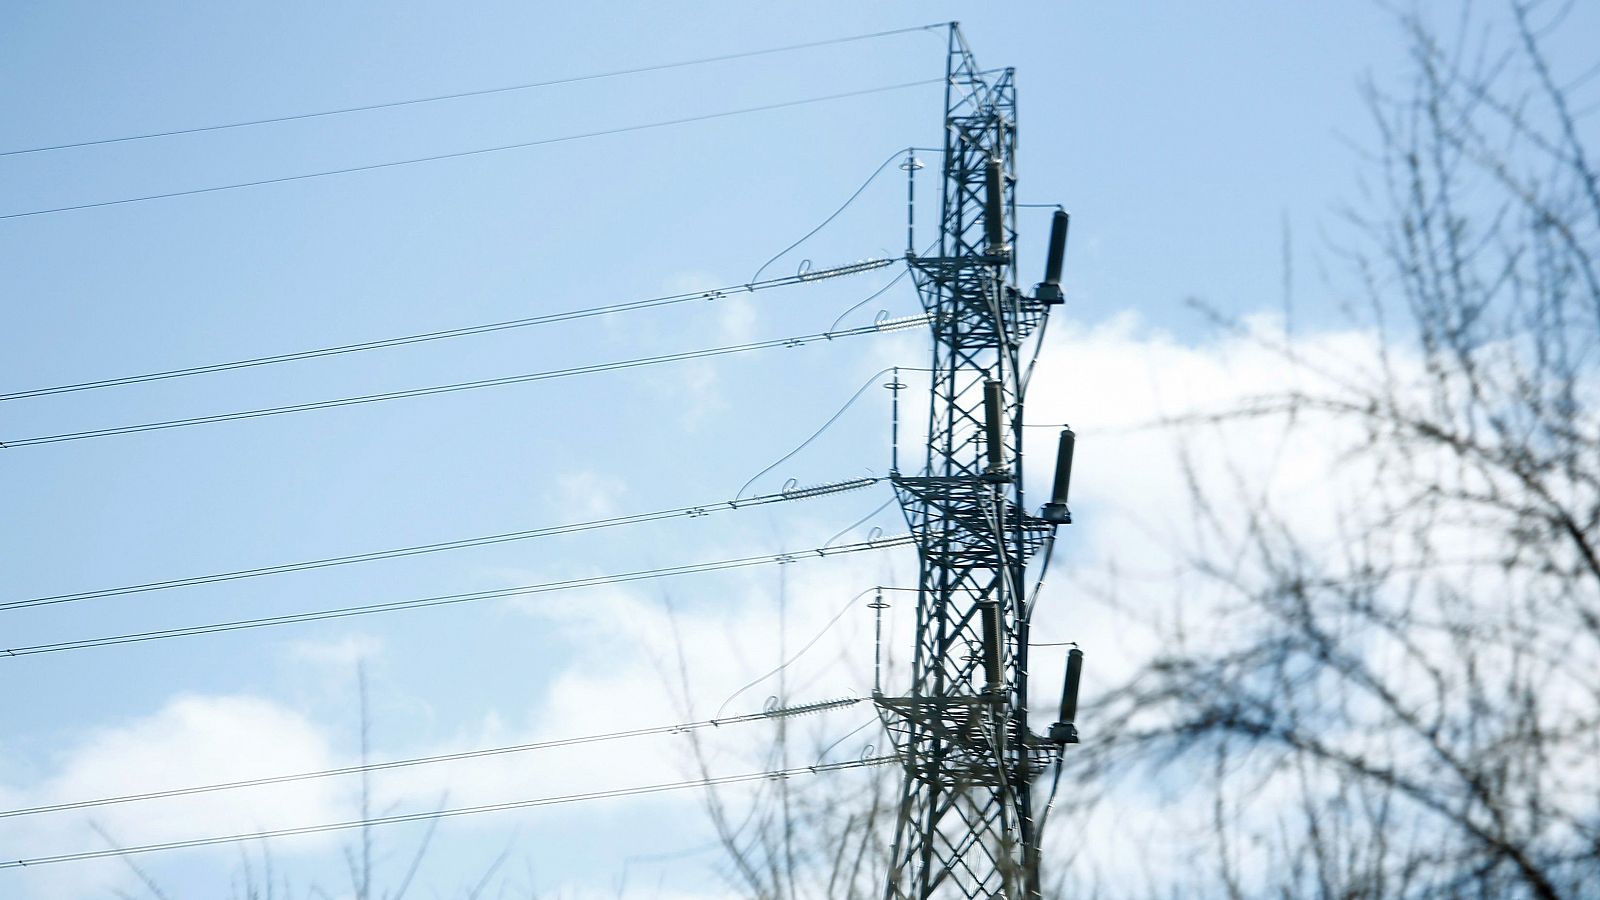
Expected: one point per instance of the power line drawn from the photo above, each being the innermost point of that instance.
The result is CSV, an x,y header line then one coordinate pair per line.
x,y
451,813
766,714
862,521
825,425
459,95
664,123
784,664
481,541
795,341
452,599
834,215
443,334
869,298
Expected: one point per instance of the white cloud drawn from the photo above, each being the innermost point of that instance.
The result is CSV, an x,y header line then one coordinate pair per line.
x,y
689,282
342,653
626,645
587,494
193,740
737,319
696,392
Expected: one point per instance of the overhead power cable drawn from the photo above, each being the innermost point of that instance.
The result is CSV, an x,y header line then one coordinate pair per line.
x,y
713,294
879,292
780,712
786,663
795,341
520,145
481,92
451,599
452,813
786,495
828,424
834,215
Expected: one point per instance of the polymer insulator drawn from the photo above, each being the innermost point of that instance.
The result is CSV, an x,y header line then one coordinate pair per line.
x,y
809,708
837,487
902,322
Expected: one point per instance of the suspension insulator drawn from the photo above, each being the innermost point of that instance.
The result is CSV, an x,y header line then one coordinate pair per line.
x,y
1049,290
1066,730
994,209
1056,510
994,429
993,659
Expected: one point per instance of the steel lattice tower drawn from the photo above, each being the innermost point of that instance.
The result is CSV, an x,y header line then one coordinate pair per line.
x,y
965,826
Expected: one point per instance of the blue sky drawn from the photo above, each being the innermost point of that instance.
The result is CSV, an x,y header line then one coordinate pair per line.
x,y
1182,138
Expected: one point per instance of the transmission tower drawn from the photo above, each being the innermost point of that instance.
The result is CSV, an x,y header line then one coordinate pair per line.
x,y
966,820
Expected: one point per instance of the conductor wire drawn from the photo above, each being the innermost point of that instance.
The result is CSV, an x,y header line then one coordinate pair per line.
x,y
834,215
450,599
438,758
799,653
459,154
447,333
449,813
831,419
482,92
796,341
481,541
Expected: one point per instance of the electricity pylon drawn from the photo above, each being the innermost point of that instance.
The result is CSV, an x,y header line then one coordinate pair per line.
x,y
966,821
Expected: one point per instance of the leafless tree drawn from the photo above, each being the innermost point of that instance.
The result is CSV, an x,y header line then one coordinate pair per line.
x,y
824,837
1412,708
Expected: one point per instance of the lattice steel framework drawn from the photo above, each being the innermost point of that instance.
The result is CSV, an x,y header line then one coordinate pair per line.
x,y
965,825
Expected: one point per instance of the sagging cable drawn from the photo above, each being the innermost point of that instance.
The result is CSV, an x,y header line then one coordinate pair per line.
x,y
683,728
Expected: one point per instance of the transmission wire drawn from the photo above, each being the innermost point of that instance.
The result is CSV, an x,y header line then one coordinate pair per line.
x,y
868,299
452,599
821,430
848,604
779,712
554,82
794,341
442,334
450,813
861,521
834,215
604,132
481,541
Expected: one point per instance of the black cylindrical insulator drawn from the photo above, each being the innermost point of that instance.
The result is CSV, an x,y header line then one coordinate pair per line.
x,y
1069,690
1058,248
994,207
993,426
1063,467
991,644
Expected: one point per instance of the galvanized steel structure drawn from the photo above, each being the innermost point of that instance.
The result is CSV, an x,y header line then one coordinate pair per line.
x,y
966,819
